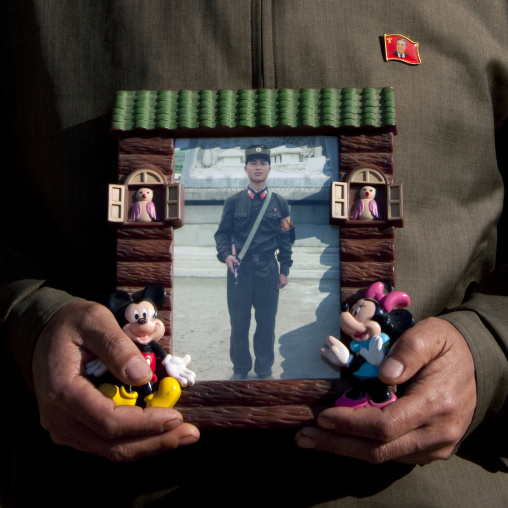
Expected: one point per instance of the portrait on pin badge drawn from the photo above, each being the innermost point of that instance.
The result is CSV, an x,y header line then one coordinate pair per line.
x,y
401,48
301,171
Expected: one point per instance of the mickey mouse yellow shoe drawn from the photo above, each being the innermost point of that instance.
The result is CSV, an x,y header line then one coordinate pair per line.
x,y
119,395
167,395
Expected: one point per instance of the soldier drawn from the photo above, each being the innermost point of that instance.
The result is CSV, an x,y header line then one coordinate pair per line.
x,y
248,250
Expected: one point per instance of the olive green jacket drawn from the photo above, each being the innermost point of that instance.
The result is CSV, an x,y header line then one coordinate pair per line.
x,y
62,62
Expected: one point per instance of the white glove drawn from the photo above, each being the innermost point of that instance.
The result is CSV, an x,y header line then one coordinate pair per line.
x,y
336,352
177,367
95,368
375,354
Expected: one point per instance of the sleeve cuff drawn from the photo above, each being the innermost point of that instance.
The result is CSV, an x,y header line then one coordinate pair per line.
x,y
491,366
27,306
221,256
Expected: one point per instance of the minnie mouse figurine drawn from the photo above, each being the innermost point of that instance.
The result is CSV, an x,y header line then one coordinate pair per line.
x,y
137,314
374,322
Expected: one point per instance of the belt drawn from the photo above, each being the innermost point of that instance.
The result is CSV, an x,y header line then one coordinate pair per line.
x,y
256,258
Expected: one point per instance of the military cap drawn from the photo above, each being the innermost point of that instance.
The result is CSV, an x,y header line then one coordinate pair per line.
x,y
257,152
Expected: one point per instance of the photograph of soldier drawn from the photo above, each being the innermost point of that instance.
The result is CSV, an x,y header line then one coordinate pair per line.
x,y
257,252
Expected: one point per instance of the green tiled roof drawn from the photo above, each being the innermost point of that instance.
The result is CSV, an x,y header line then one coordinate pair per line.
x,y
184,109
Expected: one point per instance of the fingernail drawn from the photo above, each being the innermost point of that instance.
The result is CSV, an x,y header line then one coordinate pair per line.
x,y
173,423
325,423
305,442
137,369
188,440
392,368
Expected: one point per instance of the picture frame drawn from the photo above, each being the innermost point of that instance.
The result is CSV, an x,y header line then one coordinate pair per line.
x,y
145,125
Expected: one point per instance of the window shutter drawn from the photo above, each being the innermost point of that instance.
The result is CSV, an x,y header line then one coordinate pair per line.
x,y
394,201
116,203
339,201
174,204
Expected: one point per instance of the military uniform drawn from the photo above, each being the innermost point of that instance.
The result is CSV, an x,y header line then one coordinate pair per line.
x,y
258,275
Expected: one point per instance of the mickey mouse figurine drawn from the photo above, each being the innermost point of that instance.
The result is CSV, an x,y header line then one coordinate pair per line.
x,y
137,314
373,323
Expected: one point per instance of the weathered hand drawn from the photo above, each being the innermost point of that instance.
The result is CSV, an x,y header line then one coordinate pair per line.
x,y
74,412
177,367
283,280
423,425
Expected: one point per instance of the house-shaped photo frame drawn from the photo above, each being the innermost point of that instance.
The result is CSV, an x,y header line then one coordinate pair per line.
x,y
146,123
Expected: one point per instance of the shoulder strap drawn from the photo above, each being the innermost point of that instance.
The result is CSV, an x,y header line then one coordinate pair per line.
x,y
255,226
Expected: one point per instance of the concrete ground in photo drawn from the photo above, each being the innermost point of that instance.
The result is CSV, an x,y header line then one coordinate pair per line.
x,y
309,311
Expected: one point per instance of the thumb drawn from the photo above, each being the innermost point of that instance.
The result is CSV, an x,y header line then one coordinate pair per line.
x,y
117,351
414,349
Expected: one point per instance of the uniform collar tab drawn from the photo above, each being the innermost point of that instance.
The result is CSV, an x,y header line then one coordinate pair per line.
x,y
262,193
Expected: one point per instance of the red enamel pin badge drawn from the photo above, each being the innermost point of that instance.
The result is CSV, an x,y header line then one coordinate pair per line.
x,y
399,47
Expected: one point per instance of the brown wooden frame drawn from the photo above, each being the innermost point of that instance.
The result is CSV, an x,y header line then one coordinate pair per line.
x,y
366,250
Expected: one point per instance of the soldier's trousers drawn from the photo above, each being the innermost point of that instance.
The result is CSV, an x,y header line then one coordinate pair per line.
x,y
257,288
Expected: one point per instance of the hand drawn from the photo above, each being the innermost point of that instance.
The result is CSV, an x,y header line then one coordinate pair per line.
x,y
177,367
72,409
336,352
231,261
423,425
375,353
95,368
283,280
